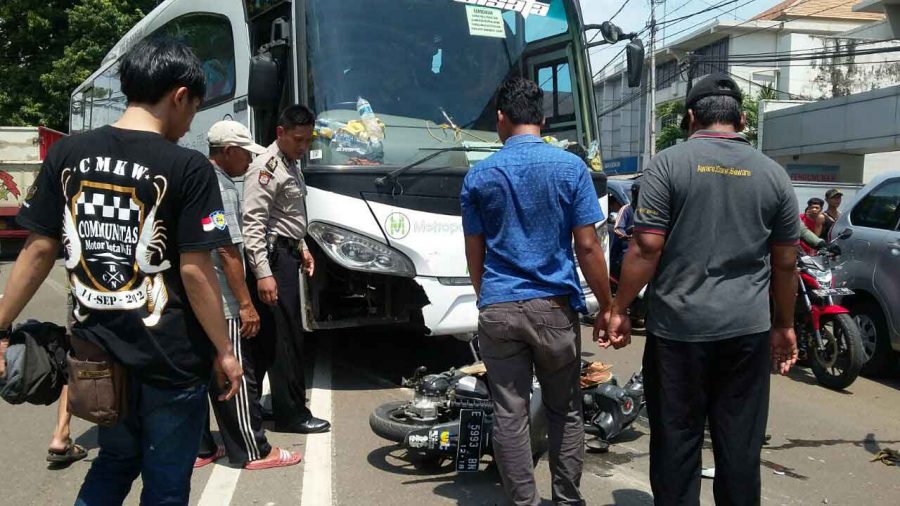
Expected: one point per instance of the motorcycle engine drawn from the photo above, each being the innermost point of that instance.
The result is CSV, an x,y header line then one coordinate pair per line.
x,y
431,394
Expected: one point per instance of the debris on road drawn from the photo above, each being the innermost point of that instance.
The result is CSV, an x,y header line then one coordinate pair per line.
x,y
888,457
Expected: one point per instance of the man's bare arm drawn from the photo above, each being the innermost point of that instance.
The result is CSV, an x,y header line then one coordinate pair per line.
x,y
638,268
593,264
202,288
233,267
784,284
475,253
30,270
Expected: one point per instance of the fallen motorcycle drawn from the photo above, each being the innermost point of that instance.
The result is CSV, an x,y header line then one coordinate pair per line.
x,y
451,414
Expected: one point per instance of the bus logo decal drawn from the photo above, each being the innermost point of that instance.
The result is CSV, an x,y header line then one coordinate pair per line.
x,y
396,225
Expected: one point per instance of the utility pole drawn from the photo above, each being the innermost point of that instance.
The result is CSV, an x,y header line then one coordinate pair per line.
x,y
651,116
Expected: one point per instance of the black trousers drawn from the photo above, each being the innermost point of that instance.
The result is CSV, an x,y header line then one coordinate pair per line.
x,y
279,347
725,381
240,419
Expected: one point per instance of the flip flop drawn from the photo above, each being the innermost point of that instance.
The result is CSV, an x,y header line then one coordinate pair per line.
x,y
205,461
285,459
72,453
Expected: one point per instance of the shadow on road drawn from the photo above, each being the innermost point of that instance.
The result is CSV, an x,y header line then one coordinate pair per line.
x,y
805,375
631,497
381,359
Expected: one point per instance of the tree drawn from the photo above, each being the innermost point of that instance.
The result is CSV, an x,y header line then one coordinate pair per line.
x,y
48,48
751,110
32,35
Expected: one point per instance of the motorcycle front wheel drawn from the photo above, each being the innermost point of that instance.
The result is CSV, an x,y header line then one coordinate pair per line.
x,y
838,364
391,422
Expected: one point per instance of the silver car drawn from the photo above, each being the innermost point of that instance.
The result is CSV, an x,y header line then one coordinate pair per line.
x,y
871,268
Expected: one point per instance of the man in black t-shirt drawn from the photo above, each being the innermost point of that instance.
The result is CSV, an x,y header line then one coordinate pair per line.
x,y
137,216
716,227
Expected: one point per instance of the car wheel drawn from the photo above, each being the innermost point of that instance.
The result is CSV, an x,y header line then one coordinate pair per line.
x,y
880,358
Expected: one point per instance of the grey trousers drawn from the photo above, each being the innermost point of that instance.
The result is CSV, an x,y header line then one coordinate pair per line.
x,y
541,337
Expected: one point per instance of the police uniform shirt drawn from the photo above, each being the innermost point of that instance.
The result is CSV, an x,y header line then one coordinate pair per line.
x,y
274,204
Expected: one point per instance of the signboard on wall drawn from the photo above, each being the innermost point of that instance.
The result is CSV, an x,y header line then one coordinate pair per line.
x,y
624,165
813,172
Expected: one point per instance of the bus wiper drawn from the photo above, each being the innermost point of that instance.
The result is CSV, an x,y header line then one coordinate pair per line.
x,y
392,176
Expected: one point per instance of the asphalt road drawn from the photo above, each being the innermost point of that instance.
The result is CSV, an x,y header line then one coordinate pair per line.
x,y
819,453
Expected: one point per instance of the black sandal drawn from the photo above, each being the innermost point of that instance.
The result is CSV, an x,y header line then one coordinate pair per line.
x,y
72,453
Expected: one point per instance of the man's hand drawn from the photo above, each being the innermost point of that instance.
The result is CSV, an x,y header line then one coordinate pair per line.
x,y
249,321
268,290
601,324
228,374
4,343
618,332
309,263
784,350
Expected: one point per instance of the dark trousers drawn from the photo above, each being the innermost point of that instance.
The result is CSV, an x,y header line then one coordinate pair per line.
x,y
240,419
518,340
279,347
157,440
687,383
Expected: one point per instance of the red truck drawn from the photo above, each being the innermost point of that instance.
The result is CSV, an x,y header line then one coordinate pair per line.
x,y
22,149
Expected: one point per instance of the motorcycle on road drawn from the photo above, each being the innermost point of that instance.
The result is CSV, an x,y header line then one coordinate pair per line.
x,y
828,337
451,414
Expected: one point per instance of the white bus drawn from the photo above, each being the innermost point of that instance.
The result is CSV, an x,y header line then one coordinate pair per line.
x,y
384,217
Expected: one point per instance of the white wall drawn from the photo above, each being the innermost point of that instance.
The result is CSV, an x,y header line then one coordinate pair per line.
x,y
877,163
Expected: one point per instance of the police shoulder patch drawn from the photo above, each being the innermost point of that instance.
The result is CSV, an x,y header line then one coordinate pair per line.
x,y
272,164
264,177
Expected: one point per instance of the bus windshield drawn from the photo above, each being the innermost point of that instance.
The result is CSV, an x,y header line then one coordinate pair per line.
x,y
393,79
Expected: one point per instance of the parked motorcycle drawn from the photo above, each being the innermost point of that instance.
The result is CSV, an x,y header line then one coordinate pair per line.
x,y
451,414
828,337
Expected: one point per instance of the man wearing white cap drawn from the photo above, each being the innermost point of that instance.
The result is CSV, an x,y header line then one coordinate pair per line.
x,y
231,150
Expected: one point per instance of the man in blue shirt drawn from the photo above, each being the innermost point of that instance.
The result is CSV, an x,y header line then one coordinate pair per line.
x,y
521,209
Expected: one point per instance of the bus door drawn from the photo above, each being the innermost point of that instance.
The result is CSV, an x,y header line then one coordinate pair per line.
x,y
555,74
217,32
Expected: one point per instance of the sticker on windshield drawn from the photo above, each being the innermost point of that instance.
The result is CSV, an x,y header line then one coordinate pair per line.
x,y
315,154
484,22
523,7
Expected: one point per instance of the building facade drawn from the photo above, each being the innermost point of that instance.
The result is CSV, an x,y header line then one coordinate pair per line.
x,y
775,49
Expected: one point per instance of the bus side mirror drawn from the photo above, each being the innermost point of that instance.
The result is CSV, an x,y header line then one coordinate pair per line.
x,y
265,88
634,59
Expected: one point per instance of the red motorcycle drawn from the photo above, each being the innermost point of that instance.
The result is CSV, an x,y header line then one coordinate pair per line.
x,y
828,337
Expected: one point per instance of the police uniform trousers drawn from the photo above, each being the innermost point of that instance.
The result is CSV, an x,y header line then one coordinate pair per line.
x,y
240,419
279,346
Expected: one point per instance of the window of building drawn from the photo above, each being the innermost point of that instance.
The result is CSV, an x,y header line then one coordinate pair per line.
x,y
212,41
712,58
666,74
879,209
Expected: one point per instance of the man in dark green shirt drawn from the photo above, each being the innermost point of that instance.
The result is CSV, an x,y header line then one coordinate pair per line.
x,y
716,225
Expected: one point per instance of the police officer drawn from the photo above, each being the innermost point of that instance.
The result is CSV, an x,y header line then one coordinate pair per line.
x,y
274,227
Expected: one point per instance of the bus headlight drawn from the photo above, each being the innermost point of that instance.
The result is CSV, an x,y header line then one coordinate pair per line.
x,y
359,253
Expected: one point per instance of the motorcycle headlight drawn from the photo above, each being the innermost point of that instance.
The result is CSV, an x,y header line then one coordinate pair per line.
x,y
360,253
824,279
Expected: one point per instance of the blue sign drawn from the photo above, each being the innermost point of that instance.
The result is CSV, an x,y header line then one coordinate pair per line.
x,y
624,165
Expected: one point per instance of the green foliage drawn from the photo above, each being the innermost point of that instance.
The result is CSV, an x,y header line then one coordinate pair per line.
x,y
48,48
751,110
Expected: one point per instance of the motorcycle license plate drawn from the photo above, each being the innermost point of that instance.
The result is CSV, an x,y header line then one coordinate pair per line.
x,y
832,292
471,436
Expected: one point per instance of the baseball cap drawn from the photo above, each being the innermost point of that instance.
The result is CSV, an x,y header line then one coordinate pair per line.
x,y
834,192
232,133
716,84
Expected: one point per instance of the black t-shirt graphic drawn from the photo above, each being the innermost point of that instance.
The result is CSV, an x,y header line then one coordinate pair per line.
x,y
125,204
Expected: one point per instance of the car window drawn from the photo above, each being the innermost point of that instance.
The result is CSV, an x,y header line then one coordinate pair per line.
x,y
878,209
211,39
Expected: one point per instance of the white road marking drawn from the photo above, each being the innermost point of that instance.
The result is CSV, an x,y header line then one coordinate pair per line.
x,y
223,481
220,487
316,489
